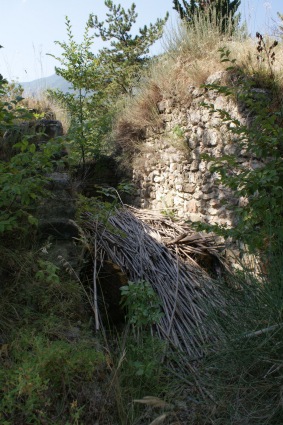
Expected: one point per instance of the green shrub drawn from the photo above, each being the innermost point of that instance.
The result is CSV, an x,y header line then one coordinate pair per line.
x,y
142,304
23,175
41,379
257,220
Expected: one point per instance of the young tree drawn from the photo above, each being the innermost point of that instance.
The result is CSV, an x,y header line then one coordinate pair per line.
x,y
122,63
85,102
224,10
99,79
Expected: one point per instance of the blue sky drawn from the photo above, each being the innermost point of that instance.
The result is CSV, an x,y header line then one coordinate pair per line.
x,y
29,28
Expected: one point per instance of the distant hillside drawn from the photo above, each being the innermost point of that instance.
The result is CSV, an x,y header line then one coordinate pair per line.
x,y
36,87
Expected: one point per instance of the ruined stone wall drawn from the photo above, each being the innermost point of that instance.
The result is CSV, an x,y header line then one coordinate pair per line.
x,y
169,172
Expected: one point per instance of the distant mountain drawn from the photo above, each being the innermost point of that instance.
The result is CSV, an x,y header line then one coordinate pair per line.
x,y
36,87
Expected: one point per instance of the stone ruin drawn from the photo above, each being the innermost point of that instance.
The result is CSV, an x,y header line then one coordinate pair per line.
x,y
169,171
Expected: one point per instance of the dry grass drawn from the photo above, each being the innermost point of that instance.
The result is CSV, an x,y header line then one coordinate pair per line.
x,y
192,56
188,62
197,41
47,109
140,113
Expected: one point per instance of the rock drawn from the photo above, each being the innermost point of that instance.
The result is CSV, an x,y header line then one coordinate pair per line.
x,y
168,200
161,106
217,77
202,166
195,217
189,187
38,132
48,129
191,206
210,138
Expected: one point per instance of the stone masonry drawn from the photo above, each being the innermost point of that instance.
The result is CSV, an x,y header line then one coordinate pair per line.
x,y
170,173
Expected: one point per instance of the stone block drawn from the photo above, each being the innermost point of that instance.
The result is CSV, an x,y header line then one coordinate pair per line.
x,y
168,200
161,106
189,187
206,188
194,117
216,77
207,196
214,203
178,201
194,165
210,137
191,206
198,194
193,141
230,149
195,217
202,166
194,177
212,211
173,167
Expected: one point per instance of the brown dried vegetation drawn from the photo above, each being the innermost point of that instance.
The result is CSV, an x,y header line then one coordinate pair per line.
x,y
192,55
140,114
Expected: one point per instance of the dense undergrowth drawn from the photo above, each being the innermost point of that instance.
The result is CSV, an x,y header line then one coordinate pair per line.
x,y
54,369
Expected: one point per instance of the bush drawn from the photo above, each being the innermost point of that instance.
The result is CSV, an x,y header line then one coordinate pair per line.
x,y
45,381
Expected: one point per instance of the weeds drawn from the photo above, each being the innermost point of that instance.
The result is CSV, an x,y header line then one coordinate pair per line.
x,y
46,379
245,369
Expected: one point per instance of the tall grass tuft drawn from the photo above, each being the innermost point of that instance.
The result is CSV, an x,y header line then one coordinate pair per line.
x,y
201,38
243,374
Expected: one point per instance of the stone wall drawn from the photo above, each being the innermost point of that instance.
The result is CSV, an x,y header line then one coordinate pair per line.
x,y
38,132
169,172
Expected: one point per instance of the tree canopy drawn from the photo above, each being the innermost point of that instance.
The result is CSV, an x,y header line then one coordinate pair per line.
x,y
127,55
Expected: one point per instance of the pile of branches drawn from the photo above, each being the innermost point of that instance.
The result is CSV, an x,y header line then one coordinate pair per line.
x,y
191,245
147,246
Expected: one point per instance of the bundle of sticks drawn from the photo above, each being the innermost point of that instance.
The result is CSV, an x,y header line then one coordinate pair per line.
x,y
148,246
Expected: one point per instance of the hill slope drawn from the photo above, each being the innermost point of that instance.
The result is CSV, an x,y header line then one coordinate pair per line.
x,y
35,87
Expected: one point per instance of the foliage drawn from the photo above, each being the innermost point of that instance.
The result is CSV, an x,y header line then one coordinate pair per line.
x,y
225,10
48,272
49,359
9,106
23,176
244,367
13,92
141,371
100,207
258,186
44,379
23,183
178,132
141,368
142,304
123,62
86,106
98,80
